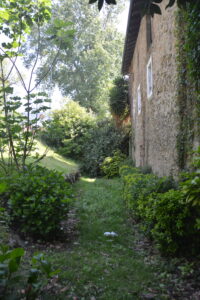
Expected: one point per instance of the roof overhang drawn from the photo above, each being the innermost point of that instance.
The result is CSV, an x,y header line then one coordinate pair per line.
x,y
133,26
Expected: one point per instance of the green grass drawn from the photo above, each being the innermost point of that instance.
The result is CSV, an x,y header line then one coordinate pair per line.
x,y
98,266
52,160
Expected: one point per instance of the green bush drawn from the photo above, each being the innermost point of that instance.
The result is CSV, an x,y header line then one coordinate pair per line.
x,y
170,214
174,228
191,182
104,139
134,183
38,200
191,189
128,168
69,130
110,166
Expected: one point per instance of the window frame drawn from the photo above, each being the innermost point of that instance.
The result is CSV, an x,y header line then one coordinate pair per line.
x,y
149,78
139,100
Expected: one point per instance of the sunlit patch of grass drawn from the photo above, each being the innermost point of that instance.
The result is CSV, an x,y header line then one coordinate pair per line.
x,y
52,160
88,179
55,161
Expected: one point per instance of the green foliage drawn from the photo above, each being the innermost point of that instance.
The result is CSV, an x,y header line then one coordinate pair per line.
x,y
38,201
10,263
191,188
192,42
188,28
68,130
174,223
118,98
191,182
110,166
136,187
13,281
164,211
18,131
85,71
104,139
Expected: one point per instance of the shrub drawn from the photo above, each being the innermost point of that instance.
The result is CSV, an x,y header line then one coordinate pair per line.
x,y
69,130
110,166
191,188
164,210
134,183
128,168
38,202
174,227
104,139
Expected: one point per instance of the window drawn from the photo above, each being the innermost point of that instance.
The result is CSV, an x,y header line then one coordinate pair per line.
x,y
139,100
149,79
148,31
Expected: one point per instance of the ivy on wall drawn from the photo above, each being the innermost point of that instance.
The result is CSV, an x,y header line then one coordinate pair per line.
x,y
188,96
119,100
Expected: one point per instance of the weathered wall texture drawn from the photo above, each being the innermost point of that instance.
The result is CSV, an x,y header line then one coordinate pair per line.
x,y
155,128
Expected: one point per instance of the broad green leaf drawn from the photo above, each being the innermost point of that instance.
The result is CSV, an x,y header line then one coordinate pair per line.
x,y
3,188
13,265
4,14
17,252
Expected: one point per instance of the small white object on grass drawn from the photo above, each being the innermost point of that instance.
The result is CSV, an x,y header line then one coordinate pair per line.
x,y
112,233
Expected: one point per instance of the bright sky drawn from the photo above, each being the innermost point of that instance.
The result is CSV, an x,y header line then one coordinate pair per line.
x,y
123,19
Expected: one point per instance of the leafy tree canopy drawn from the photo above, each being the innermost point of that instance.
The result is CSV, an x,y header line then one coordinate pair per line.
x,y
85,71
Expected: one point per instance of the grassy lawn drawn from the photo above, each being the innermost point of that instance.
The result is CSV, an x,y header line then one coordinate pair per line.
x,y
55,161
96,266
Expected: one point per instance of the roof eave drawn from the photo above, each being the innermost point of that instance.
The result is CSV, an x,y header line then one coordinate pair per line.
x,y
133,26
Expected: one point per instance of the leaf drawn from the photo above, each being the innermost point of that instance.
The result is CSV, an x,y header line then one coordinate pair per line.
x,y
37,101
171,3
111,2
13,265
8,90
18,252
3,187
155,9
4,15
92,1
100,4
33,276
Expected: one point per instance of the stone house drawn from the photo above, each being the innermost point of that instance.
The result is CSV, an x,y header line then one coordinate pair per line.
x,y
150,61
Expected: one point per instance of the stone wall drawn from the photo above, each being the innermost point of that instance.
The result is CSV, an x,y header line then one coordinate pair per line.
x,y
156,127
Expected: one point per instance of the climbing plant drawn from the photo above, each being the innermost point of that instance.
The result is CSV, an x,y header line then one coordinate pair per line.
x,y
118,99
188,80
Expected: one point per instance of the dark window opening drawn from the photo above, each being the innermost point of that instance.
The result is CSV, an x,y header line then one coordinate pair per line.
x,y
148,31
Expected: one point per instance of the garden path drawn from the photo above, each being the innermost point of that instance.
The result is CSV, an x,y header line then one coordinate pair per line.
x,y
99,266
